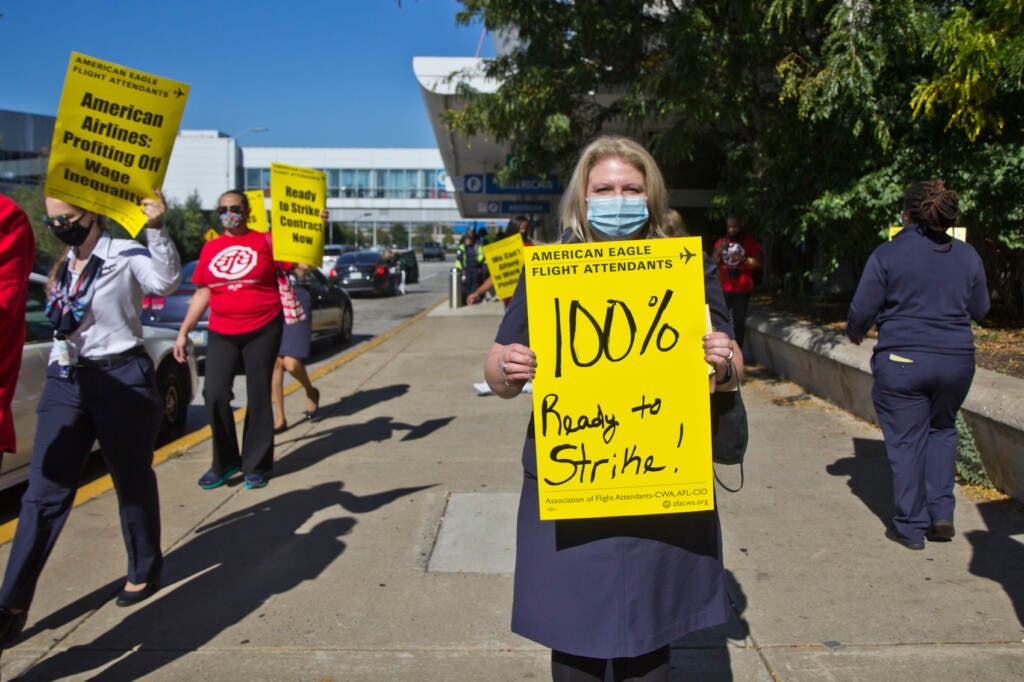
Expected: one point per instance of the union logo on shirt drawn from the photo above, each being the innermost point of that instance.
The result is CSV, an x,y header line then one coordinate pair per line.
x,y
234,262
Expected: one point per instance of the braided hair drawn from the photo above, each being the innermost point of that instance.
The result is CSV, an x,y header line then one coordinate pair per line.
x,y
932,205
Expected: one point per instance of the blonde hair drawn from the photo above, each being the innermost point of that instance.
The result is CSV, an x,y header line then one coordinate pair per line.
x,y
674,225
574,200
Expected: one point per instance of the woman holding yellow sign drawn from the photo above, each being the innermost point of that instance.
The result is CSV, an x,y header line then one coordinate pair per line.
x,y
100,386
237,278
613,591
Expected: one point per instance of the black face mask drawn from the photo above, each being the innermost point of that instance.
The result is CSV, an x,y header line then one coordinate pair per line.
x,y
72,234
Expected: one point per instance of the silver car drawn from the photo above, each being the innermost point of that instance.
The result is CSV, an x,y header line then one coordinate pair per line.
x,y
176,382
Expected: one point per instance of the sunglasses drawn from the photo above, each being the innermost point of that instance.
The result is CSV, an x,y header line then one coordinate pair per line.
x,y
62,221
224,209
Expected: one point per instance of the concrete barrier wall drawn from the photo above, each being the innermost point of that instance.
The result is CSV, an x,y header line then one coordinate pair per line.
x,y
825,363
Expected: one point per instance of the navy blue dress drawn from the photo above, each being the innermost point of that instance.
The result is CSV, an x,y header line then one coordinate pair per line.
x,y
619,586
295,337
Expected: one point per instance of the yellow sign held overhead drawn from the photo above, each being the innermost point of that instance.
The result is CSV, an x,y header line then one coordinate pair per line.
x,y
114,133
258,221
620,398
505,262
298,197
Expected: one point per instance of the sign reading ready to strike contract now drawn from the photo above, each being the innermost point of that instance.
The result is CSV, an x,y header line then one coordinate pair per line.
x,y
114,133
620,399
505,262
298,196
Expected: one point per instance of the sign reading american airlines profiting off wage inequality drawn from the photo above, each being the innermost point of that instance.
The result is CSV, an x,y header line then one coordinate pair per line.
x,y
113,136
620,398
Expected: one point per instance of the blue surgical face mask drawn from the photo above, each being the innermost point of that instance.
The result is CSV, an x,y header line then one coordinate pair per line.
x,y
617,217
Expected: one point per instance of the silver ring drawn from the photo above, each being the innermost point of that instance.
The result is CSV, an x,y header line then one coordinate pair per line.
x,y
728,358
504,368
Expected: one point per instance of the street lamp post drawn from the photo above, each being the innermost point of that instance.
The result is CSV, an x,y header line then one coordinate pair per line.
x,y
367,215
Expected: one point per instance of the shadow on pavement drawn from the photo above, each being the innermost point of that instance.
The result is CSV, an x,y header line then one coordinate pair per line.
x,y
225,571
998,555
870,476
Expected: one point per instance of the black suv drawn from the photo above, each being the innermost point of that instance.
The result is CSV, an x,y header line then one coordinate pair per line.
x,y
433,250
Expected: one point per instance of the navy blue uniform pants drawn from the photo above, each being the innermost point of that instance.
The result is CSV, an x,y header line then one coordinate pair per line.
x,y
119,406
257,352
917,396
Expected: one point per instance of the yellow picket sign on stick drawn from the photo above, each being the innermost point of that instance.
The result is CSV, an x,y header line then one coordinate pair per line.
x,y
113,136
297,197
505,263
258,221
620,397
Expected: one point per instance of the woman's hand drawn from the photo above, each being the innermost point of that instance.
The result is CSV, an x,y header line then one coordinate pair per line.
x,y
722,353
507,368
154,210
181,348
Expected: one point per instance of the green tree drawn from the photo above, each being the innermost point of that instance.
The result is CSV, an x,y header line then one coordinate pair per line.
x,y
187,224
808,117
33,202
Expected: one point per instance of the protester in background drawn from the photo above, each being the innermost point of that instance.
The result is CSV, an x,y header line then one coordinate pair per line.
x,y
518,225
922,289
737,255
236,277
675,226
612,592
17,253
295,343
470,263
100,386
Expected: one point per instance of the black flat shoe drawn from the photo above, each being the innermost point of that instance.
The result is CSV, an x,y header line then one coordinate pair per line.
x,y
893,535
126,598
941,531
281,429
11,625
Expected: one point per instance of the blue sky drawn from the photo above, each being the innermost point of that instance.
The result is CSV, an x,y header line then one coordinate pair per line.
x,y
320,73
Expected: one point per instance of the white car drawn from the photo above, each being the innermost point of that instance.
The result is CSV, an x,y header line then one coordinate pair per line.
x,y
176,382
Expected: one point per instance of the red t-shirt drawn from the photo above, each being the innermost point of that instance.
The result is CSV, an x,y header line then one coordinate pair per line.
x,y
734,256
242,278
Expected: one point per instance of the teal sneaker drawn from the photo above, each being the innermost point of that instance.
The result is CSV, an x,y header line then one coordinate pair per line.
x,y
253,481
212,479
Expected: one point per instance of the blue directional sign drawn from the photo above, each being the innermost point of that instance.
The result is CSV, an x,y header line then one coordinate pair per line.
x,y
487,184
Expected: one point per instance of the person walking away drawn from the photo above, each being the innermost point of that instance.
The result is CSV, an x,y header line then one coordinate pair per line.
x,y
17,253
573,586
100,386
237,279
922,289
737,256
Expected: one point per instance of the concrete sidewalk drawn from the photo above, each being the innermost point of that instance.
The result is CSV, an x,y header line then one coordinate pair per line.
x,y
382,550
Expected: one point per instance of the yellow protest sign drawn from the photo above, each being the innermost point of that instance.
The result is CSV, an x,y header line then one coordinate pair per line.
x,y
620,398
258,221
113,136
505,261
954,232
298,196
